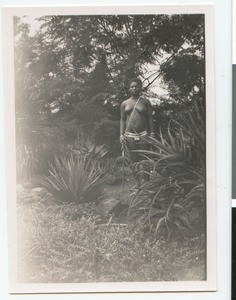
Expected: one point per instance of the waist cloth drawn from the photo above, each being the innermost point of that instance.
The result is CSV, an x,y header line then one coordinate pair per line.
x,y
135,135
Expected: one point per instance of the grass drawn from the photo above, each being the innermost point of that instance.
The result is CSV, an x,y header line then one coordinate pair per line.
x,y
70,243
163,238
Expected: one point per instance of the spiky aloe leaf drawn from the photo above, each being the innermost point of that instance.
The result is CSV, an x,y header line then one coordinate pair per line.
x,y
176,165
70,180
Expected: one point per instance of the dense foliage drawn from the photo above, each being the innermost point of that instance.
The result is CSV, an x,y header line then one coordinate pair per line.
x,y
174,196
71,76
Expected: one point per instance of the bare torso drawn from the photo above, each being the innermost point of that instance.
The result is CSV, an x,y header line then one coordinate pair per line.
x,y
136,115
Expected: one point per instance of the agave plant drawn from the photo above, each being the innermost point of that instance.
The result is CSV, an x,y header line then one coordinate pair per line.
x,y
71,179
174,197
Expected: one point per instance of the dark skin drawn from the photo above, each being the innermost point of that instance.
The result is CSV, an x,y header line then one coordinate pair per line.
x,y
140,120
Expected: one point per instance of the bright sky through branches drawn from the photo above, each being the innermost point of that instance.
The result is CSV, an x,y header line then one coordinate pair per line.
x,y
151,69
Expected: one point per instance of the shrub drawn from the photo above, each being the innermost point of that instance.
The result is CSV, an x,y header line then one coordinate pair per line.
x,y
174,197
38,139
75,179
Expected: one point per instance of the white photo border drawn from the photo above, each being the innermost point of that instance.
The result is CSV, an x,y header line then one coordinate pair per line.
x,y
8,63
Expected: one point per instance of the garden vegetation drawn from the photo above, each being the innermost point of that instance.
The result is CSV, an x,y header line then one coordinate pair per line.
x,y
71,76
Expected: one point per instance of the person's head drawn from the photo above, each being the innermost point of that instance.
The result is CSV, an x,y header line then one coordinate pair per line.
x,y
135,86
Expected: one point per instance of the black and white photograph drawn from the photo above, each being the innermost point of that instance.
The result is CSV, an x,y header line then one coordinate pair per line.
x,y
114,156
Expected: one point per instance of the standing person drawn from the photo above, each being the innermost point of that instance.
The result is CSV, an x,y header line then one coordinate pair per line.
x,y
136,124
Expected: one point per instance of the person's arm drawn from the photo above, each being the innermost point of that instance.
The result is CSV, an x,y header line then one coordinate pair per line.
x,y
122,122
150,119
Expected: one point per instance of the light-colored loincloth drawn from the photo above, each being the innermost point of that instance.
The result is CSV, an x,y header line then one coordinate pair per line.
x,y
135,136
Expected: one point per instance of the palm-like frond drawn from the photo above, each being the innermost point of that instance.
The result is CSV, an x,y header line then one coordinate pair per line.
x,y
70,180
176,166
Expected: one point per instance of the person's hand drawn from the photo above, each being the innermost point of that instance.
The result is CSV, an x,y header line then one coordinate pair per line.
x,y
122,138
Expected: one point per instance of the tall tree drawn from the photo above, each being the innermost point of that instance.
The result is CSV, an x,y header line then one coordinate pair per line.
x,y
80,66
